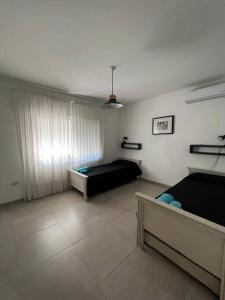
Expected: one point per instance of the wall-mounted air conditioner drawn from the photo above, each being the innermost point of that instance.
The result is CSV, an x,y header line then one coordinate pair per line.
x,y
205,93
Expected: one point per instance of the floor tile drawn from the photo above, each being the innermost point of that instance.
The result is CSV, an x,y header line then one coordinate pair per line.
x,y
173,281
63,202
96,294
62,278
111,205
22,209
130,202
6,215
77,228
117,204
87,217
80,211
39,247
9,293
33,223
6,232
126,225
128,188
135,278
197,291
103,251
7,264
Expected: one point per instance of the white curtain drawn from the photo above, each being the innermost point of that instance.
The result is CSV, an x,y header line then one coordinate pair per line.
x,y
54,136
87,134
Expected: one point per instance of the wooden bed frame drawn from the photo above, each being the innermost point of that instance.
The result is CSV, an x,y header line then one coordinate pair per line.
x,y
79,181
193,243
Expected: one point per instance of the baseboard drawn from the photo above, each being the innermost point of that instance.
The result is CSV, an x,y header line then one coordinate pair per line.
x,y
156,182
5,204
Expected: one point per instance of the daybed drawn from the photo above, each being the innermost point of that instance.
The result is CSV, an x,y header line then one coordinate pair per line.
x,y
105,177
192,237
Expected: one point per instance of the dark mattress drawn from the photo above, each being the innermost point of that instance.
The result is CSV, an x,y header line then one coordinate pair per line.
x,y
108,176
203,195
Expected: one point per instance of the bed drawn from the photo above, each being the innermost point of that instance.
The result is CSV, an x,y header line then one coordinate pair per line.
x,y
192,237
105,177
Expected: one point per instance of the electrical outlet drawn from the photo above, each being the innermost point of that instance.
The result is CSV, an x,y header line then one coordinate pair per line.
x,y
13,183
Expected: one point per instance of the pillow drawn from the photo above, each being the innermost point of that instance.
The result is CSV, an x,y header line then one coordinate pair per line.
x,y
82,170
176,204
167,198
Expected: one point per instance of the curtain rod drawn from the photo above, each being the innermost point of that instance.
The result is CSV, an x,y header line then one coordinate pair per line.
x,y
71,98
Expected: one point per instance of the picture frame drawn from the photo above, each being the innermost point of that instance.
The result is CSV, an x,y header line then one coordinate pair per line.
x,y
163,125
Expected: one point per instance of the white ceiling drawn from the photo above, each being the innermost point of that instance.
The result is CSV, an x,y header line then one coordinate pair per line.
x,y
159,45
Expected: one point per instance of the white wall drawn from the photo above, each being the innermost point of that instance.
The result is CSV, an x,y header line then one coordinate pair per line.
x,y
166,157
10,164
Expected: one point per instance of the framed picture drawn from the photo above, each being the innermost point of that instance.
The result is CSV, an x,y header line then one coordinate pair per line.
x,y
163,125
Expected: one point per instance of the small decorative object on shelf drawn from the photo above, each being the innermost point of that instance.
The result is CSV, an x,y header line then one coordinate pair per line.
x,y
126,145
221,137
163,125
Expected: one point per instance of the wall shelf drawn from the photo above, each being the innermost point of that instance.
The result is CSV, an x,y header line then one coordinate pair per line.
x,y
208,149
134,146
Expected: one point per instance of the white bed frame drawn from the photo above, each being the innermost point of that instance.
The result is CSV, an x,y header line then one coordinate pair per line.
x,y
79,181
193,243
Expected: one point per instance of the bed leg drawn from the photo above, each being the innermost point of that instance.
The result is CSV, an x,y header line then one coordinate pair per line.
x,y
140,224
85,189
222,286
85,196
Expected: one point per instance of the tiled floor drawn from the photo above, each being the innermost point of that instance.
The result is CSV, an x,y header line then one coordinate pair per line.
x,y
64,248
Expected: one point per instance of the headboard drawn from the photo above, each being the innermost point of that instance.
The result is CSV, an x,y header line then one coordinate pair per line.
x,y
196,170
137,161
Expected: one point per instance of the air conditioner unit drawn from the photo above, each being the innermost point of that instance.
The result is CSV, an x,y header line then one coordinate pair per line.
x,y
205,93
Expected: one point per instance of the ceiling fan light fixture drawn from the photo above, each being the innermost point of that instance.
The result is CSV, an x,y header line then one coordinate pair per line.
x,y
112,103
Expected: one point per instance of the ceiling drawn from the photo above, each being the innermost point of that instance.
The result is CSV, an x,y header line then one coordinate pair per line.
x,y
159,46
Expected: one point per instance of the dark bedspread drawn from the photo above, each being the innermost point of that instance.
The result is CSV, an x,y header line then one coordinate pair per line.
x,y
108,176
203,195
